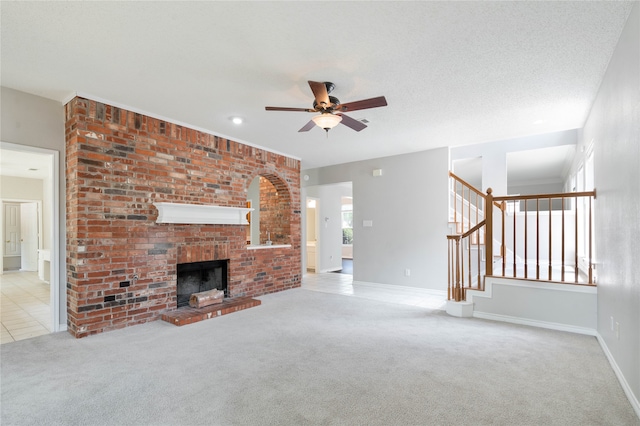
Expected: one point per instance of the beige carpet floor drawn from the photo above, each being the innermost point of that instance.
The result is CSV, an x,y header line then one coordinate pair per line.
x,y
312,358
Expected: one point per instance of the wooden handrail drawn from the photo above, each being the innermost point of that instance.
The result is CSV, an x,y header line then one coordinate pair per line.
x,y
544,196
468,203
472,188
466,234
465,183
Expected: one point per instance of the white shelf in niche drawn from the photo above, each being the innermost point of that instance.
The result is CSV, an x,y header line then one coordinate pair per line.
x,y
198,214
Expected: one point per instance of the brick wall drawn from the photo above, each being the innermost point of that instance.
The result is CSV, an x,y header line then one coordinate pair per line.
x,y
121,265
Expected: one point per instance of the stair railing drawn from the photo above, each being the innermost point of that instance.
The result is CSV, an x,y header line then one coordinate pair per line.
x,y
460,260
468,204
546,237
551,233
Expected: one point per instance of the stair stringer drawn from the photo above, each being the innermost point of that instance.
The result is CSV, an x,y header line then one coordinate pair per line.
x,y
565,307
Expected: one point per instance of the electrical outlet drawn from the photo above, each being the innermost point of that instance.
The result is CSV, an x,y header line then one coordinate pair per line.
x,y
617,330
407,272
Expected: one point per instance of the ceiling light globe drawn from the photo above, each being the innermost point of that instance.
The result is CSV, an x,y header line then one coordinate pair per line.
x,y
327,121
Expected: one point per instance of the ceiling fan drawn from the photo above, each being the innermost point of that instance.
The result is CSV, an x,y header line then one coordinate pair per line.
x,y
331,110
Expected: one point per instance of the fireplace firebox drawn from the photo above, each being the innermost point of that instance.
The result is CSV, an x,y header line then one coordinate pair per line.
x,y
196,277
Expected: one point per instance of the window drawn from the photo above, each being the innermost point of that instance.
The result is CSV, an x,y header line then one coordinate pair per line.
x,y
347,223
584,181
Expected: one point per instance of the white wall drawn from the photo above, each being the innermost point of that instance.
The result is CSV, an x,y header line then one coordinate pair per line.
x,y
16,188
494,172
565,307
494,157
408,208
538,238
614,127
38,122
536,188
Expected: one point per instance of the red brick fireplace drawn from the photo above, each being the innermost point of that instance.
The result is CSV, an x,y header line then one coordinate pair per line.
x,y
121,264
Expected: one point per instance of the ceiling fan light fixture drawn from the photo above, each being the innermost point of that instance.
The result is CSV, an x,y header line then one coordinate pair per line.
x,y
332,110
327,120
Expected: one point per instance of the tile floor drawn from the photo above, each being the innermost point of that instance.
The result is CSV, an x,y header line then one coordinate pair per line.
x,y
24,306
344,284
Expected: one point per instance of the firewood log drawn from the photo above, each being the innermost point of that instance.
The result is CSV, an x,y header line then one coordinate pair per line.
x,y
206,298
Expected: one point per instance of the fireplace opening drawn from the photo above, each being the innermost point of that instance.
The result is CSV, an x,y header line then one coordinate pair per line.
x,y
196,277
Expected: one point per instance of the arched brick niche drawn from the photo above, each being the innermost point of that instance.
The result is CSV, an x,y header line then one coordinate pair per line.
x,y
275,210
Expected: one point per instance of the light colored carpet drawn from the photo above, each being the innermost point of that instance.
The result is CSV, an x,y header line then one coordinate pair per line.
x,y
311,358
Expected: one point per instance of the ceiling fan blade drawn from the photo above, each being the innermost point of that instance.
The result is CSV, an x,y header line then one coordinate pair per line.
x,y
269,108
320,92
380,101
307,126
351,123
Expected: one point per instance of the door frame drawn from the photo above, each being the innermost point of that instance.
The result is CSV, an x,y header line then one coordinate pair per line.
x,y
52,188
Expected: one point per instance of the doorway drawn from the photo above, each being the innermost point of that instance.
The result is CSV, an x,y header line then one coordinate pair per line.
x,y
324,226
346,212
29,176
22,223
313,234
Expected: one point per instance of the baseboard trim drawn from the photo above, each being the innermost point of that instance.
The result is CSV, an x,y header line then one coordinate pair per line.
x,y
535,323
623,382
426,291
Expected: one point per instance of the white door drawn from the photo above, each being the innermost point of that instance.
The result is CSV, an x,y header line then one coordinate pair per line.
x,y
11,229
29,236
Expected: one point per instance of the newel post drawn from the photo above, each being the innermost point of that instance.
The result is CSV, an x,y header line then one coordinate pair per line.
x,y
457,291
488,239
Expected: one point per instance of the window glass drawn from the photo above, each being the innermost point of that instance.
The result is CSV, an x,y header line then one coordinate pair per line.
x,y
347,224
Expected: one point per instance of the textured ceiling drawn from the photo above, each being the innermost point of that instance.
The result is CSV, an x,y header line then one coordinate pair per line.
x,y
453,73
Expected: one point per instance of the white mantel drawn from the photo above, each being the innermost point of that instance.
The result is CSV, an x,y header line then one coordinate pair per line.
x,y
201,214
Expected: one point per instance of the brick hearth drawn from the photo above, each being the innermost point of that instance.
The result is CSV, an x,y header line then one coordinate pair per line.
x,y
189,315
